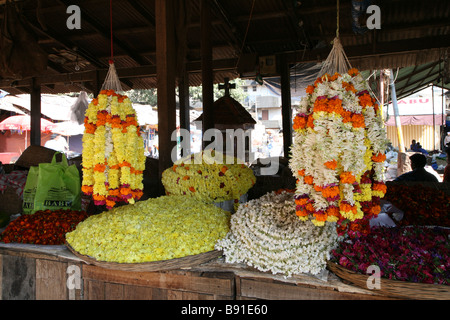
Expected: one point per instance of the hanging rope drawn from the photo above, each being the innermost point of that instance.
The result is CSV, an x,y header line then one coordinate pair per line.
x,y
112,81
337,60
111,31
246,32
337,20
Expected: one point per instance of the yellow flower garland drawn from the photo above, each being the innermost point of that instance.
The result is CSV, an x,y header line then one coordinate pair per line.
x,y
113,151
205,179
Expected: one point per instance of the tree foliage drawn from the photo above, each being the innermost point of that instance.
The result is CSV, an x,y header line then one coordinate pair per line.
x,y
149,96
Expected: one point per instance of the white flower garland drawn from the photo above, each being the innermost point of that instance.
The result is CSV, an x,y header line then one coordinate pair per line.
x,y
266,234
338,151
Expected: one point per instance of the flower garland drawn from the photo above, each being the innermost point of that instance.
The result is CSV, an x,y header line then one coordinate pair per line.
x,y
338,152
208,177
113,151
266,234
151,230
414,254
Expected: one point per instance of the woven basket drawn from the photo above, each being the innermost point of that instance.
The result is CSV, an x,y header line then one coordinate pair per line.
x,y
33,155
394,288
178,263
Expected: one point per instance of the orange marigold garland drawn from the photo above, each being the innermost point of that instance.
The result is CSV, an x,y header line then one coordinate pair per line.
x,y
338,153
113,151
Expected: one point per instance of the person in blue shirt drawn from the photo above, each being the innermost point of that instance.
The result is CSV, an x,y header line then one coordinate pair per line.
x,y
413,146
418,173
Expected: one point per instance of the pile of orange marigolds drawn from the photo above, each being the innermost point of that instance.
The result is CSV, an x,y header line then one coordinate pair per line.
x,y
43,227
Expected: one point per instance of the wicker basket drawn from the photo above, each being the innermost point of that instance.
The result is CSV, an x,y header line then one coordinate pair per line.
x,y
394,288
178,263
33,155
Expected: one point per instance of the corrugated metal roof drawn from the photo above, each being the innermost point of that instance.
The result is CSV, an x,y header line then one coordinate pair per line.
x,y
410,34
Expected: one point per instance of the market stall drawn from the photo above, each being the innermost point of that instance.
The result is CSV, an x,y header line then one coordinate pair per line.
x,y
329,236
204,240
43,273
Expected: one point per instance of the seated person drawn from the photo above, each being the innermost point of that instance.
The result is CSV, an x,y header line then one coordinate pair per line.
x,y
420,149
447,168
413,146
418,173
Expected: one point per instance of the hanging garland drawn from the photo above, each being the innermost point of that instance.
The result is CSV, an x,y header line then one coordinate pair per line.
x,y
113,151
338,152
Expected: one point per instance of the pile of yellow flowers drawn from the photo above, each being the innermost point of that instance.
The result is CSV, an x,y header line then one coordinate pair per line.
x,y
113,151
151,230
208,177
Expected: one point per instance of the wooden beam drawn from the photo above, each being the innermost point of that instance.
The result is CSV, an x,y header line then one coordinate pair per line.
x,y
233,29
105,32
183,95
207,70
383,48
146,71
165,67
35,114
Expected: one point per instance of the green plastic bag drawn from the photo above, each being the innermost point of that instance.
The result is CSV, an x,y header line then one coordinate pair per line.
x,y
58,186
29,191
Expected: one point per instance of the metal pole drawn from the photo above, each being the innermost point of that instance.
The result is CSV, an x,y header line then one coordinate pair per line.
x,y
434,124
382,94
398,125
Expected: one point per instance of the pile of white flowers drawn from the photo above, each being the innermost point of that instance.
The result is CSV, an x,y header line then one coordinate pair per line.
x,y
266,234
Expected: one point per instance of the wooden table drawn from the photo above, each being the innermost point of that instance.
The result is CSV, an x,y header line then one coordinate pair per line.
x,y
36,272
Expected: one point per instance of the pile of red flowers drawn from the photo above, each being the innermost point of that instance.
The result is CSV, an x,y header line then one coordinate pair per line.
x,y
415,254
43,227
421,206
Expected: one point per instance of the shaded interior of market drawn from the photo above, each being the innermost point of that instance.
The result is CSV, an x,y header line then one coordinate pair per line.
x,y
170,46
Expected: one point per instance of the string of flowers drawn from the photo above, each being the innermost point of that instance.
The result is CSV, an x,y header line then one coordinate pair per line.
x,y
338,152
151,230
113,151
209,177
265,234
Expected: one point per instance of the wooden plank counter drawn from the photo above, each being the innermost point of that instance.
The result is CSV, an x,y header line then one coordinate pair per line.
x,y
33,272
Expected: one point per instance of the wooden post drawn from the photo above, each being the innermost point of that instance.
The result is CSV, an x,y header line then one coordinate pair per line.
x,y
35,113
398,124
166,75
207,73
286,108
183,91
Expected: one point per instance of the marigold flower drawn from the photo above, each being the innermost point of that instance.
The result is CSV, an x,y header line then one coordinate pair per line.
x,y
308,179
347,177
87,189
365,100
380,157
353,72
299,122
358,121
310,122
348,87
310,89
332,164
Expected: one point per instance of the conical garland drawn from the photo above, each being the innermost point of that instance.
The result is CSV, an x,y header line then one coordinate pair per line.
x,y
338,152
113,151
